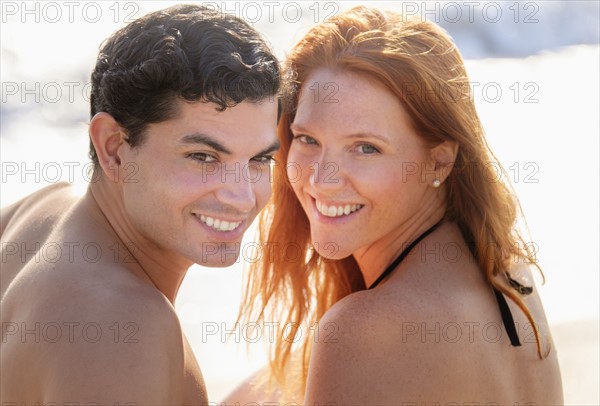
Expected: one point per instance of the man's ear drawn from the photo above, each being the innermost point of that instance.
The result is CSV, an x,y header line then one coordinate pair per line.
x,y
443,156
107,136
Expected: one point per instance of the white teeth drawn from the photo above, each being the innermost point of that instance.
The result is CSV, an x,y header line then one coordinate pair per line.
x,y
221,225
336,211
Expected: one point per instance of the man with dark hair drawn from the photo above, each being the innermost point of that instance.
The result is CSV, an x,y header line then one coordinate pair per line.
x,y
184,112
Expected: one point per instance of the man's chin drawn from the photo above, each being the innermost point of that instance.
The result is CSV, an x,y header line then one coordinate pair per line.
x,y
216,254
217,260
215,264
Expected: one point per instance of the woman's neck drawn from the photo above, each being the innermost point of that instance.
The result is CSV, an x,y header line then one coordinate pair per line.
x,y
375,258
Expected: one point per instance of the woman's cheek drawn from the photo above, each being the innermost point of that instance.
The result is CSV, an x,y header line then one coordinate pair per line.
x,y
297,168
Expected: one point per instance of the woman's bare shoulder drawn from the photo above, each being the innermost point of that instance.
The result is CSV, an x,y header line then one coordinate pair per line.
x,y
364,342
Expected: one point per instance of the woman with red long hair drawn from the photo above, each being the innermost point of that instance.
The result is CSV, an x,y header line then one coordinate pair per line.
x,y
410,257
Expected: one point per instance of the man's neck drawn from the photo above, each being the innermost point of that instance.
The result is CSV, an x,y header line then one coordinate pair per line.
x,y
163,268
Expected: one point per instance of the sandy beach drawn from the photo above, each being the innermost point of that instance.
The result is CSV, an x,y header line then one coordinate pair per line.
x,y
577,344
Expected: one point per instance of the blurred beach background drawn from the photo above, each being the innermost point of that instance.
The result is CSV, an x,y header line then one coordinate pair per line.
x,y
534,67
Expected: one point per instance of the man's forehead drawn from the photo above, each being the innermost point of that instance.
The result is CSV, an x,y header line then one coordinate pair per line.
x,y
242,127
210,111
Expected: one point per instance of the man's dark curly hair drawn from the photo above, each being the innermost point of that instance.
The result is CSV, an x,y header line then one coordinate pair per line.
x,y
184,52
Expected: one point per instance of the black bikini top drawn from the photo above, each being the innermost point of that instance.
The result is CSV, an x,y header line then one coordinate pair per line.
x,y
507,317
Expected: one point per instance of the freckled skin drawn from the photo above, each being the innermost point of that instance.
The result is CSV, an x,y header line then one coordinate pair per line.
x,y
400,342
375,162
431,333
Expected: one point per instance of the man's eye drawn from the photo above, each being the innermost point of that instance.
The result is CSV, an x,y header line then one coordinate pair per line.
x,y
202,157
264,159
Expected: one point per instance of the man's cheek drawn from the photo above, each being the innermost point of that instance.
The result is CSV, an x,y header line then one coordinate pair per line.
x,y
263,193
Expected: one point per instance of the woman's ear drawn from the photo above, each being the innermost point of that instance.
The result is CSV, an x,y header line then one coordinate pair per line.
x,y
107,136
443,157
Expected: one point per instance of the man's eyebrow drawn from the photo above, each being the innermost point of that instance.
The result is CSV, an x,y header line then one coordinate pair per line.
x,y
274,147
198,138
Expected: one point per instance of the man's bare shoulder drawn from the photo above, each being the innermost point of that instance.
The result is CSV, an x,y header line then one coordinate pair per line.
x,y
49,200
103,340
92,289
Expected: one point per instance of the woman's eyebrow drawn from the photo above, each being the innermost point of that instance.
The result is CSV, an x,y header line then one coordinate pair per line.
x,y
369,135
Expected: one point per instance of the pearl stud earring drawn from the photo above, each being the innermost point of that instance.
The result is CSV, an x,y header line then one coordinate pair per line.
x,y
436,183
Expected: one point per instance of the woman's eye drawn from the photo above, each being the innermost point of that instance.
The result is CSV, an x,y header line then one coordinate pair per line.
x,y
367,149
202,157
305,139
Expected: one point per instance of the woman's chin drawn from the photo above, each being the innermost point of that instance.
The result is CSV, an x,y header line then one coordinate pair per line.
x,y
331,250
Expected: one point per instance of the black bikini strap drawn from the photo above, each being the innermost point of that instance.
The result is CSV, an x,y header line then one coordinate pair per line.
x,y
507,319
403,254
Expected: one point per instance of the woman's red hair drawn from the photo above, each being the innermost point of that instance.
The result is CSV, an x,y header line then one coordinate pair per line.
x,y
418,62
